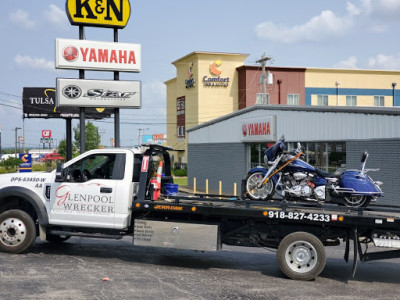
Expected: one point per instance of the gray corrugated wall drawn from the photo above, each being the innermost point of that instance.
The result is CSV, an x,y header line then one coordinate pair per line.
x,y
383,155
215,162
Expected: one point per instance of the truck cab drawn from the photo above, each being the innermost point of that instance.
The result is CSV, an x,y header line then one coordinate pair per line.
x,y
91,195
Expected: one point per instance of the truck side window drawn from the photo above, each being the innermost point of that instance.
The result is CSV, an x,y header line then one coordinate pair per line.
x,y
98,166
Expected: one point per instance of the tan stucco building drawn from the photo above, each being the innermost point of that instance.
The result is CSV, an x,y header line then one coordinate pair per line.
x,y
205,87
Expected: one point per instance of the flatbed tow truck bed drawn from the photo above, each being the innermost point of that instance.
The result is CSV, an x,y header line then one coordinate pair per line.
x,y
298,230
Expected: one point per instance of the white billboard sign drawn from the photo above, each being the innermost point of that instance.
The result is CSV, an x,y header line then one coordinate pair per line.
x,y
92,55
98,93
260,129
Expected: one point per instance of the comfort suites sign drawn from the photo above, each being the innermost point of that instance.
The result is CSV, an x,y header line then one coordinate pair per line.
x,y
258,129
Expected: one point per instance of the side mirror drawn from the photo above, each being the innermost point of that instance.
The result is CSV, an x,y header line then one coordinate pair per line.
x,y
60,174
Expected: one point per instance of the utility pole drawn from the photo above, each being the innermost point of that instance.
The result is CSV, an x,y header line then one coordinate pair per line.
x,y
263,61
16,138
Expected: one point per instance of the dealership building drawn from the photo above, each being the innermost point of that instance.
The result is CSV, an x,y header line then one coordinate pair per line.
x,y
336,114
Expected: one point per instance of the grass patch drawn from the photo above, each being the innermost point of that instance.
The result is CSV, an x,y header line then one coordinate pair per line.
x,y
180,180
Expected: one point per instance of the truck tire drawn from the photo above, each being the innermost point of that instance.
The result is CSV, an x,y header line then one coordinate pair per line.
x,y
301,256
17,231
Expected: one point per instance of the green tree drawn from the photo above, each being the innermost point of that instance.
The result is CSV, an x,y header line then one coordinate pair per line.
x,y
62,149
92,136
10,163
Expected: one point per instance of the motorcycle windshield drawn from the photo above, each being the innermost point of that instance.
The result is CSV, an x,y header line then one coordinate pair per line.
x,y
275,150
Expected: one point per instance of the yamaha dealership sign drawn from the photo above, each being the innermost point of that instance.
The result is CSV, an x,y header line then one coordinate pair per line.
x,y
98,93
91,55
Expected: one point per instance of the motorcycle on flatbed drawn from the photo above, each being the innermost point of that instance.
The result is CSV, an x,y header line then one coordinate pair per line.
x,y
293,179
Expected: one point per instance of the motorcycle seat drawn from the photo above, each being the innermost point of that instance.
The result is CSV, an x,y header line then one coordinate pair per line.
x,y
336,174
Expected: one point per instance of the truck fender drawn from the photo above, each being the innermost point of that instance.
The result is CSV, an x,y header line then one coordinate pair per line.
x,y
31,197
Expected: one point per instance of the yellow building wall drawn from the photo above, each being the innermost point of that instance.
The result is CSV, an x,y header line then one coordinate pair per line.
x,y
361,79
202,103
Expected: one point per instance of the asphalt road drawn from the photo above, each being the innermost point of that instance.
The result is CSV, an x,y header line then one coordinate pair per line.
x,y
108,269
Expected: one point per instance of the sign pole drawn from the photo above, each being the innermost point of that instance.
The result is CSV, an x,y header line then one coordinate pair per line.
x,y
116,110
82,127
68,141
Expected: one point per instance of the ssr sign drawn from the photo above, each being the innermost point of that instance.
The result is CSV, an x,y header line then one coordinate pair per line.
x,y
98,13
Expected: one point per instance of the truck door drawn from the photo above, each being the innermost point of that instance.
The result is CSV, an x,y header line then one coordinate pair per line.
x,y
87,197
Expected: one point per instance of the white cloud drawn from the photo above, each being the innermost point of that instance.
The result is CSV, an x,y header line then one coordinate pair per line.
x,y
157,88
381,9
350,63
56,16
321,27
385,62
22,18
33,62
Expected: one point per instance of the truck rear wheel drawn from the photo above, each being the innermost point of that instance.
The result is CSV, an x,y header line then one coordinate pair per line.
x,y
301,256
17,231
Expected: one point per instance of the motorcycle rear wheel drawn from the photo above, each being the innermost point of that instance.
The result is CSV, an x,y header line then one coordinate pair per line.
x,y
259,193
357,201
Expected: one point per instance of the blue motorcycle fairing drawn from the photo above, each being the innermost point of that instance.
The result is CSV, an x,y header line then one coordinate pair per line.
x,y
299,165
320,181
275,150
361,184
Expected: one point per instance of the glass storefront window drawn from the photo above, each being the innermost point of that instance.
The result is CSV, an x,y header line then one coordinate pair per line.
x,y
325,156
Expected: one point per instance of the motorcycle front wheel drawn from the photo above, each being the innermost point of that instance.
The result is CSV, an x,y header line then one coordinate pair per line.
x,y
265,192
357,201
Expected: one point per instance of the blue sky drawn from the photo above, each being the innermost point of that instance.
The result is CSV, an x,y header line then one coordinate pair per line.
x,y
356,34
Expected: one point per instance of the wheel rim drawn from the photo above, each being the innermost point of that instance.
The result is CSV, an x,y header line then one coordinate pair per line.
x,y
355,200
12,232
258,192
301,257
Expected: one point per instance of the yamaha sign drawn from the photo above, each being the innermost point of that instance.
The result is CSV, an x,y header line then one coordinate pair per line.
x,y
91,55
261,129
98,93
103,13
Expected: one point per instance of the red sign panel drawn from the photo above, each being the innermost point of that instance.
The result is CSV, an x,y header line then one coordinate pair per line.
x,y
145,163
46,133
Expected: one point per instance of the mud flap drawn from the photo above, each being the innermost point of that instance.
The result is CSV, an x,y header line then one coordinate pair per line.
x,y
356,250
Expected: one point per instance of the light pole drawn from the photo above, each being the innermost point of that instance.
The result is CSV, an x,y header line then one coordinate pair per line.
x,y
141,129
16,136
393,86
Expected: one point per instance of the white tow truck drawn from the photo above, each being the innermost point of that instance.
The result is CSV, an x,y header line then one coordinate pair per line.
x,y
108,193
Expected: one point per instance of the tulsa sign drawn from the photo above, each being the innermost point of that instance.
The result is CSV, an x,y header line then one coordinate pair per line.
x,y
91,55
103,13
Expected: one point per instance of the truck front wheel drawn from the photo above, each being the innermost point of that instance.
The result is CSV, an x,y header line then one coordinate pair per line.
x,y
301,256
17,231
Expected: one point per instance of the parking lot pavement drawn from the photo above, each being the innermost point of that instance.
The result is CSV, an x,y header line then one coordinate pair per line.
x,y
108,269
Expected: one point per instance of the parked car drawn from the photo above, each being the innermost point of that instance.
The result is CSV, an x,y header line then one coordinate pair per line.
x,y
51,157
